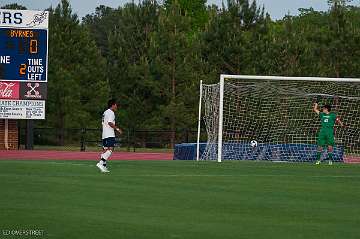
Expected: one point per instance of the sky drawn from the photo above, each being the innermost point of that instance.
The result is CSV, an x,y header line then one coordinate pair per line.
x,y
277,8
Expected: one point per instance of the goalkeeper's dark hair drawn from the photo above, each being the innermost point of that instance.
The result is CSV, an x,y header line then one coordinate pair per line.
x,y
111,103
328,107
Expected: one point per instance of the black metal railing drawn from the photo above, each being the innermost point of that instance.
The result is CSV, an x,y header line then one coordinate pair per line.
x,y
90,138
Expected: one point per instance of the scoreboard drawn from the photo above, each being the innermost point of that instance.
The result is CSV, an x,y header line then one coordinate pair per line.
x,y
23,63
23,54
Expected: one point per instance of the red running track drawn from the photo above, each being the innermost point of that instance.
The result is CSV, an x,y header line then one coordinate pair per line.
x,y
352,159
65,155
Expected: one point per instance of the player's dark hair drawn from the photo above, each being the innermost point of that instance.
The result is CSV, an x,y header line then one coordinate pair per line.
x,y
111,103
328,107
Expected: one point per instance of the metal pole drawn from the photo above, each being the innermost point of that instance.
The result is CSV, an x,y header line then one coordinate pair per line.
x,y
6,134
221,109
199,125
29,135
82,144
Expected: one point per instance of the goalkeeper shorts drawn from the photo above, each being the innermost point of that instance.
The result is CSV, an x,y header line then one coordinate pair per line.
x,y
326,138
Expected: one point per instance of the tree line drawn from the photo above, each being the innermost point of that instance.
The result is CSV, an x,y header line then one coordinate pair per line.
x,y
151,56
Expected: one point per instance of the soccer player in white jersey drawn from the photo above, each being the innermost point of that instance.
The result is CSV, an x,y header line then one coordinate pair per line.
x,y
108,135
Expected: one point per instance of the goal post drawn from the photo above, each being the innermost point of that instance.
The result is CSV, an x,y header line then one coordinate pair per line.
x,y
221,119
199,123
272,118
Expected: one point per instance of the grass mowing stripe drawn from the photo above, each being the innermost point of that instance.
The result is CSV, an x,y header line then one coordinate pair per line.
x,y
181,200
186,175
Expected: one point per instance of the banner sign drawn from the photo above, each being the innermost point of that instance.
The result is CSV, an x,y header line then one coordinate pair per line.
x,y
24,19
22,109
33,91
22,90
9,90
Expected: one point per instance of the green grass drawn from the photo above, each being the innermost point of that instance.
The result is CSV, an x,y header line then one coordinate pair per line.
x,y
177,199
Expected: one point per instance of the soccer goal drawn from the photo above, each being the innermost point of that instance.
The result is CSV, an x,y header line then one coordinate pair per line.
x,y
272,117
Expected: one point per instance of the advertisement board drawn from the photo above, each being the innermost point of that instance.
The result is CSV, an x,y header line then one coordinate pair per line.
x,y
22,109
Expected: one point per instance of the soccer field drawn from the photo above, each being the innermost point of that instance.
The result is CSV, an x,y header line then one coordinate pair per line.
x,y
178,199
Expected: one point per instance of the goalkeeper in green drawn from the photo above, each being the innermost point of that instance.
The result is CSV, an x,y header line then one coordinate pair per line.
x,y
326,133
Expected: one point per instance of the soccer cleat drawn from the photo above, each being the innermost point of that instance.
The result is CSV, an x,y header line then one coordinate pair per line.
x,y
106,170
318,162
101,167
330,162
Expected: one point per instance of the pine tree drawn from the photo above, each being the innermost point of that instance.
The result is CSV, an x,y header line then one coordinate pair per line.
x,y
229,37
174,62
14,6
129,62
77,86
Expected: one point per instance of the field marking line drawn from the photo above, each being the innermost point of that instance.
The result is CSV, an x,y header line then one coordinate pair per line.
x,y
69,163
241,175
194,175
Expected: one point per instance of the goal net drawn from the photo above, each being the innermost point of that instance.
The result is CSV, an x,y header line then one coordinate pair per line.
x,y
272,118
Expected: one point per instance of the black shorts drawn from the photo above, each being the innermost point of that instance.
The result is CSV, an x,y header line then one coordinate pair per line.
x,y
108,142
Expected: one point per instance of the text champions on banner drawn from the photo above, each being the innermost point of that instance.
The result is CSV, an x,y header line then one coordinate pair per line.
x,y
22,109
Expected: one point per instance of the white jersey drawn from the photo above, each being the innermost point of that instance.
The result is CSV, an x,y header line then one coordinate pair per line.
x,y
108,116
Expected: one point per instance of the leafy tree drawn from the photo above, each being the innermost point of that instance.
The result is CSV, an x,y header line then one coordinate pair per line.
x,y
226,41
340,38
129,62
100,24
13,6
174,61
77,89
195,10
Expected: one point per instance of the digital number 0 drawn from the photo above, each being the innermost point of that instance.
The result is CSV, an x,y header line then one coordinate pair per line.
x,y
33,46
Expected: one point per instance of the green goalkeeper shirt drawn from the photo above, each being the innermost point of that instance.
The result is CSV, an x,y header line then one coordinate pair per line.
x,y
327,121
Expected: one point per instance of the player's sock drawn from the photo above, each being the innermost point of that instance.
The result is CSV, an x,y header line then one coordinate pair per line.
x,y
106,156
318,156
103,162
101,158
331,155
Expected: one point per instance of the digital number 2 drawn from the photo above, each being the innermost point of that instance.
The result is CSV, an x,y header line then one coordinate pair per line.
x,y
22,69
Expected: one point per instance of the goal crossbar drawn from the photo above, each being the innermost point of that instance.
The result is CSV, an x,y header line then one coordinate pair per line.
x,y
288,78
